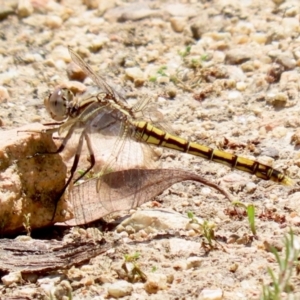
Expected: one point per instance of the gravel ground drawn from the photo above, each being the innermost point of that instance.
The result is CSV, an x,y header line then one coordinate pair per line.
x,y
223,73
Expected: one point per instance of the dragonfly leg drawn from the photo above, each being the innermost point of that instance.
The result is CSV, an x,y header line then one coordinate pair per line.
x,y
62,145
73,168
92,157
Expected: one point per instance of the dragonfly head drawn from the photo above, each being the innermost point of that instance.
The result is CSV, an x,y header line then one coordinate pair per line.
x,y
58,103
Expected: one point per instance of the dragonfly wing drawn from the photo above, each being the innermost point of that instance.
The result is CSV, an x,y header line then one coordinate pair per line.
x,y
126,154
114,151
105,87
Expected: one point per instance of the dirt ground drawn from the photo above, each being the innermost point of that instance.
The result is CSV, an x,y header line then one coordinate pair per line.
x,y
224,74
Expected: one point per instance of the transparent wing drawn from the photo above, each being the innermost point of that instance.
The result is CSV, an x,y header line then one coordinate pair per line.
x,y
114,152
121,153
105,87
146,110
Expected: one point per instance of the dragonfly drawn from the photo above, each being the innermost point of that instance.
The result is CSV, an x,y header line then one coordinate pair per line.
x,y
107,124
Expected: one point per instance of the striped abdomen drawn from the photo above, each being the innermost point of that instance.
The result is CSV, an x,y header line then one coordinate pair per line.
x,y
147,133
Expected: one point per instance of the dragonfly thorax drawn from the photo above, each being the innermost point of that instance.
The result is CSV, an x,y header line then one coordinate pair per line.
x,y
59,103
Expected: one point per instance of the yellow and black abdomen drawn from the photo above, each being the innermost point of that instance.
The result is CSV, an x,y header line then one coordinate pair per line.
x,y
150,134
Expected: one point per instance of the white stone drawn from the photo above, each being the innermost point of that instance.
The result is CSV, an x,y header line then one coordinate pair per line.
x,y
182,247
152,220
134,73
12,277
53,22
207,294
119,288
194,262
250,187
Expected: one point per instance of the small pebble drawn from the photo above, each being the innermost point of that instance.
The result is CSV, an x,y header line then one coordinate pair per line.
x,y
155,282
4,96
74,86
97,43
278,132
91,4
53,22
13,277
241,86
61,53
25,8
295,140
260,38
277,100
237,57
134,73
295,221
233,267
207,294
194,262
74,72
120,288
63,289
287,60
180,265
250,187
178,24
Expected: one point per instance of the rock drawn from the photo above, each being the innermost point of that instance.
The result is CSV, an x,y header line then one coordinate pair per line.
x,y
61,53
75,86
295,139
13,277
74,72
287,60
119,288
180,265
63,289
91,4
250,187
207,294
138,12
277,100
25,8
97,43
53,22
5,12
29,186
270,151
155,282
237,56
241,86
295,221
194,262
178,24
136,75
4,96
178,247
75,274
259,37
155,220
105,5
180,10
278,2
131,12
49,283
198,29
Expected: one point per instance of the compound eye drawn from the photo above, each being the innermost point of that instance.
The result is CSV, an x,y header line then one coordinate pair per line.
x,y
58,103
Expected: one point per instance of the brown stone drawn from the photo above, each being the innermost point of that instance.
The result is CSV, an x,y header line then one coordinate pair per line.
x,y
29,186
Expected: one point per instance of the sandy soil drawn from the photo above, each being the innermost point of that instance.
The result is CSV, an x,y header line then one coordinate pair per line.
x,y
224,74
